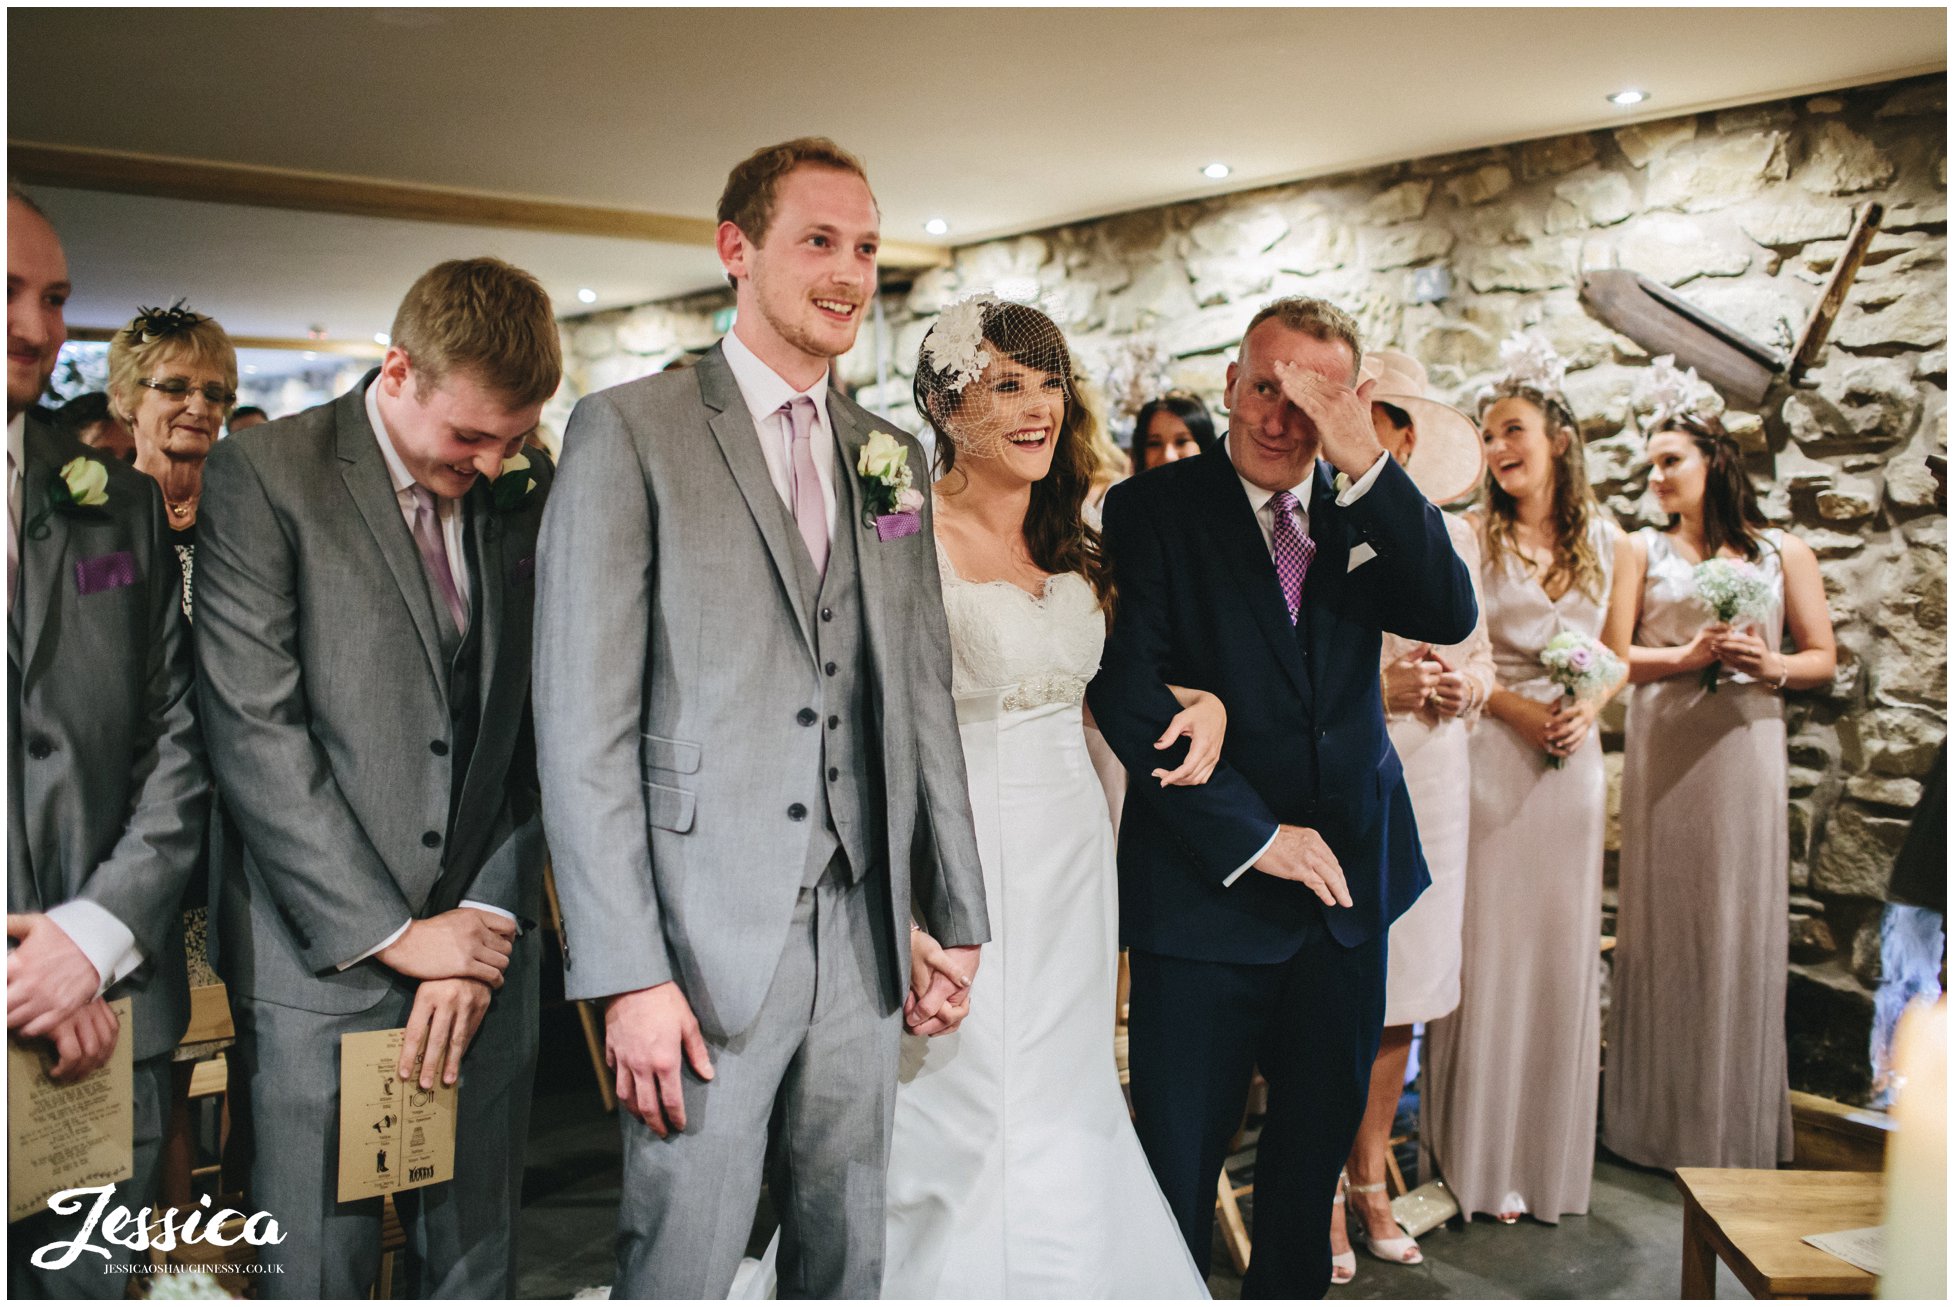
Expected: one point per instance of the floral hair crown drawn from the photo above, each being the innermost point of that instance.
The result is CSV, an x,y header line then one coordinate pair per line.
x,y
955,344
152,325
1665,393
1531,364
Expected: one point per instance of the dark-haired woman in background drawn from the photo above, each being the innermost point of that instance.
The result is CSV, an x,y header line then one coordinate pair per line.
x,y
1173,427
1696,1050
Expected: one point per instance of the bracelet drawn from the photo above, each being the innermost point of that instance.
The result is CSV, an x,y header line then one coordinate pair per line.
x,y
1784,673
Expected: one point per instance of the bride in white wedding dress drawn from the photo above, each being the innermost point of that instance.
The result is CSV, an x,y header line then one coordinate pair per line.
x,y
1014,1170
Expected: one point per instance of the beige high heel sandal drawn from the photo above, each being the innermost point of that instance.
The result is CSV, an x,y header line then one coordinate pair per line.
x,y
1343,1266
1403,1251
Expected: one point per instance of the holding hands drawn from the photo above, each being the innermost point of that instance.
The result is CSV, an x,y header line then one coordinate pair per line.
x,y
1340,414
939,984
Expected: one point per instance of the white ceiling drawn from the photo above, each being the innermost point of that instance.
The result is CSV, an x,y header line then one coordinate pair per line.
x,y
996,120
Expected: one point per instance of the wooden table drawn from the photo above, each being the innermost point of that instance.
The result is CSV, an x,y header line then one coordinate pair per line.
x,y
1756,1221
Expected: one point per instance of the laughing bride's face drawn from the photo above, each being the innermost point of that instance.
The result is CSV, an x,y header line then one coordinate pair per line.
x,y
1010,418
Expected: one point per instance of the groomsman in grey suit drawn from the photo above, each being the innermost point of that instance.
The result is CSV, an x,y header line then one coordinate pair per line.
x,y
106,788
750,761
364,597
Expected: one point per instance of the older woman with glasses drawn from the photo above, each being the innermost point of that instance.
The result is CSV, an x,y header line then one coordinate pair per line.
x,y
172,381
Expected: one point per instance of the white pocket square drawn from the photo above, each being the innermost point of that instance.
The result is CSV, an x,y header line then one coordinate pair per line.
x,y
1362,554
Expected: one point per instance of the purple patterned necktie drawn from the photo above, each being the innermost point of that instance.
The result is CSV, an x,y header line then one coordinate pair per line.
x,y
434,555
809,513
1292,551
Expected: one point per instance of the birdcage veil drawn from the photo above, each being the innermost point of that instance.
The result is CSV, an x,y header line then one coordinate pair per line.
x,y
984,348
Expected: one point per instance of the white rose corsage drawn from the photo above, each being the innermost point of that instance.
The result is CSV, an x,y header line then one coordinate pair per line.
x,y
890,501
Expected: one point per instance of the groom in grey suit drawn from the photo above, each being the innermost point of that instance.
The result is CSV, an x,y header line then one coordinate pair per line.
x,y
751,769
364,598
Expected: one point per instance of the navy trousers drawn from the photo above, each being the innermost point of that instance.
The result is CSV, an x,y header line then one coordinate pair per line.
x,y
1197,1032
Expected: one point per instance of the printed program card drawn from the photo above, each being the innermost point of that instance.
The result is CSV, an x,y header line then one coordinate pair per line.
x,y
392,1135
68,1136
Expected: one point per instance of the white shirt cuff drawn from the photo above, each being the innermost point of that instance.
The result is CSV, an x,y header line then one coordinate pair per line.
x,y
1236,874
101,937
504,913
385,943
1349,492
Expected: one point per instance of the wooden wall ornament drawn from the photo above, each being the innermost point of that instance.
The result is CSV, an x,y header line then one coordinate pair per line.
x,y
1663,322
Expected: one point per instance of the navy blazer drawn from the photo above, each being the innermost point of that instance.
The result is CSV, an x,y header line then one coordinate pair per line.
x,y
1199,605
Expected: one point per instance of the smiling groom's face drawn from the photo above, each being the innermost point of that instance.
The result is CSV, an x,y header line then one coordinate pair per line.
x,y
809,282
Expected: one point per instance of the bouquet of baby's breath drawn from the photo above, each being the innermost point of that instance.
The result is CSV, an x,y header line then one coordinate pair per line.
x,y
1583,667
1735,591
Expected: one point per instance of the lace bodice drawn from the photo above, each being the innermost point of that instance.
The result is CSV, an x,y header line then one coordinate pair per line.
x,y
1036,650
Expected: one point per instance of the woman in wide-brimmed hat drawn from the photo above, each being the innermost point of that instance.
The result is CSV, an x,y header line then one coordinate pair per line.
x,y
1431,696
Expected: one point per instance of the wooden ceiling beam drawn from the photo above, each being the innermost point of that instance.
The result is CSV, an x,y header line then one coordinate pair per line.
x,y
163,177
364,349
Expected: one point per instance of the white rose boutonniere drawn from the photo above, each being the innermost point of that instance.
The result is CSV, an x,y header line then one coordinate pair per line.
x,y
890,501
81,486
513,483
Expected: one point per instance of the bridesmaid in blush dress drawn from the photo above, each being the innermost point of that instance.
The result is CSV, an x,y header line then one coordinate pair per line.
x,y
1509,1115
1696,1047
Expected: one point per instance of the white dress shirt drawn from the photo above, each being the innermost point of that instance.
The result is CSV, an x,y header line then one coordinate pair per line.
x,y
764,391
109,946
1349,492
449,512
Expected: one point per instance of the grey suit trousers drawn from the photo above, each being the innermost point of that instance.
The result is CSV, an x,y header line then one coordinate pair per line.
x,y
90,1276
462,1233
816,1071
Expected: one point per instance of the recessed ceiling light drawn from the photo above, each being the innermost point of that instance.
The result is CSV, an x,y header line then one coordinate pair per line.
x,y
587,296
382,338
1216,171
251,369
308,356
1623,99
936,227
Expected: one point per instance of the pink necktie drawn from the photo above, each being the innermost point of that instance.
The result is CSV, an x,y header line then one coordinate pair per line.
x,y
1292,550
809,514
434,555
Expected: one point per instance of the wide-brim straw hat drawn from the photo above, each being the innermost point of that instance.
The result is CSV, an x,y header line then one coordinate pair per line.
x,y
1448,460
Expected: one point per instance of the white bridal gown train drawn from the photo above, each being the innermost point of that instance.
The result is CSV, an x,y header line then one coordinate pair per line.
x,y
1014,1171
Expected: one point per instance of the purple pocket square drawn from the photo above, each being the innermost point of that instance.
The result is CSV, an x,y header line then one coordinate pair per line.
x,y
106,572
524,569
894,526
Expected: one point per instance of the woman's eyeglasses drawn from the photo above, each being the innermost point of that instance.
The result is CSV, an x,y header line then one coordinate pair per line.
x,y
178,388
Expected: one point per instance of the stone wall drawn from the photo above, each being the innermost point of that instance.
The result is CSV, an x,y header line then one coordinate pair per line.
x,y
1744,212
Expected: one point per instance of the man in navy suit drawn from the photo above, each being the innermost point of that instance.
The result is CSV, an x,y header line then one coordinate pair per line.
x,y
1255,907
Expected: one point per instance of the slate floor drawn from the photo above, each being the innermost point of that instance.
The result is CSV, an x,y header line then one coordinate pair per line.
x,y
1628,1246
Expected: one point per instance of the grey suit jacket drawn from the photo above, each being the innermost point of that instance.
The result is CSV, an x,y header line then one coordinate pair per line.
x,y
325,699
674,656
107,792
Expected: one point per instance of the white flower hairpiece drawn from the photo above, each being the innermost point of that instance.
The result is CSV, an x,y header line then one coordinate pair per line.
x,y
1530,360
955,345
1665,392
